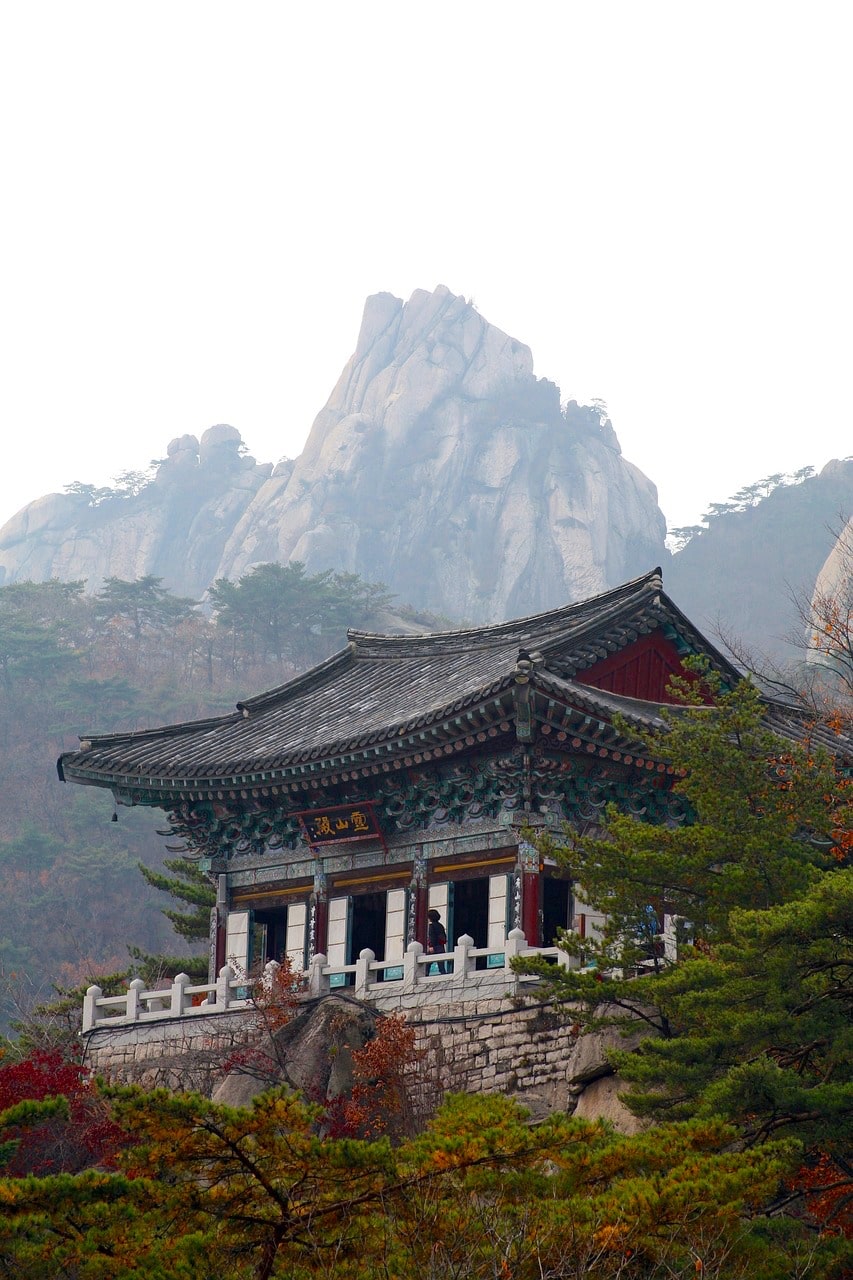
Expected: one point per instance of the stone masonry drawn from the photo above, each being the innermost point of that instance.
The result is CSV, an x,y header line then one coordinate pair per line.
x,y
490,1046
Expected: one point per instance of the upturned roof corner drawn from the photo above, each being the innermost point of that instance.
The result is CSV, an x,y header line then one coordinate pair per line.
x,y
386,703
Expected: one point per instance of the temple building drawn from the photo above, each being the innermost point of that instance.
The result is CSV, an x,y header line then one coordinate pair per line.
x,y
406,773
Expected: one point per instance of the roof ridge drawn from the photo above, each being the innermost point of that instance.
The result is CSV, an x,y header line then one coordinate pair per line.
x,y
720,658
573,687
618,609
304,680
494,632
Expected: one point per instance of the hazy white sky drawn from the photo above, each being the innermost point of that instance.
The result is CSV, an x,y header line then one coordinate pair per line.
x,y
198,197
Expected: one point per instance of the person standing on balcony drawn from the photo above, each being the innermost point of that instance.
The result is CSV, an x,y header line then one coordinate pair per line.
x,y
436,940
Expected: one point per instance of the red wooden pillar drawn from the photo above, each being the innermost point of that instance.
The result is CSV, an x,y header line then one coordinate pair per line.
x,y
531,914
321,924
219,938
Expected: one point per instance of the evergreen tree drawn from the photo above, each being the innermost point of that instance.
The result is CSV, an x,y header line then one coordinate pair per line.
x,y
189,884
751,1021
284,611
204,1190
762,818
143,603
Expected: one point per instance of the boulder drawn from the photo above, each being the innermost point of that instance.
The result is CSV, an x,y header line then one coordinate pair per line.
x,y
600,1101
588,1059
183,449
311,1053
591,1079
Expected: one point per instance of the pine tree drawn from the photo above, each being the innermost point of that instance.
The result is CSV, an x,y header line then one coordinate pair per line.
x,y
751,1023
206,1190
191,885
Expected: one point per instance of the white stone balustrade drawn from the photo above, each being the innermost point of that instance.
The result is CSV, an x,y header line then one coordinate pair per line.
x,y
179,1000
378,981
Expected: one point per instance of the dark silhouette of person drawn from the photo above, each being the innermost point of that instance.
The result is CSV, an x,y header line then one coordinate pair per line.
x,y
437,939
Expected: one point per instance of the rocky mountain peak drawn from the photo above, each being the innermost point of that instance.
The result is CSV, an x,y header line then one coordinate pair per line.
x,y
443,466
440,465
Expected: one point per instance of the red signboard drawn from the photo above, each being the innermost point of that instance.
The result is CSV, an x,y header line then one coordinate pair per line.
x,y
341,823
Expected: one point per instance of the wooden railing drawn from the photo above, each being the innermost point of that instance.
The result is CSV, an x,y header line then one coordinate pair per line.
x,y
467,970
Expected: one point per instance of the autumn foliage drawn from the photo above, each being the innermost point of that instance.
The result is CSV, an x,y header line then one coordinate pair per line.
x,y
206,1191
65,1138
825,1185
387,1086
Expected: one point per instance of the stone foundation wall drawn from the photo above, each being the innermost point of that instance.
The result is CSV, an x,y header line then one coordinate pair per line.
x,y
190,1053
490,1046
499,1050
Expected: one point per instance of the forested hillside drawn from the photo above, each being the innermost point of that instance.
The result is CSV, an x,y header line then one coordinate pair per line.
x,y
132,656
747,571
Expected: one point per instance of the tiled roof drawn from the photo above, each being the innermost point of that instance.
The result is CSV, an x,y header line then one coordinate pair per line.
x,y
382,694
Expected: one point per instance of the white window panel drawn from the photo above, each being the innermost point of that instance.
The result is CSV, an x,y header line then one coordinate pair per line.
x,y
237,939
497,910
336,947
395,924
438,898
297,919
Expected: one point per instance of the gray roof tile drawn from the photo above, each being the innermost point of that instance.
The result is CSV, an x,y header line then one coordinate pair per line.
x,y
381,689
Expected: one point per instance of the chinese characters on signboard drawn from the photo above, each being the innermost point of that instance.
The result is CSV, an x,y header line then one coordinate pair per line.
x,y
345,822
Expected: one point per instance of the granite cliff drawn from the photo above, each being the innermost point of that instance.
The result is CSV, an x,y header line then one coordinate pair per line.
x,y
444,467
175,527
832,605
440,465
834,580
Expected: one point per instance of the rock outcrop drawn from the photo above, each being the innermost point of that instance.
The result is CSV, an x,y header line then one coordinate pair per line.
x,y
311,1054
175,527
440,465
831,600
594,1086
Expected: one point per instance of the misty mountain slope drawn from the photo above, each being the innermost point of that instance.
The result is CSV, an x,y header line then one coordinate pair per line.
x,y
739,573
440,465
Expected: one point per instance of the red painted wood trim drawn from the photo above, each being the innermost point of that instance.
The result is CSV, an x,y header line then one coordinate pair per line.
x,y
640,670
530,908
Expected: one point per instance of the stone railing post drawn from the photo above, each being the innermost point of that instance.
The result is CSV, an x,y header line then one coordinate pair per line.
x,y
133,991
362,972
178,1004
515,944
318,982
223,986
410,965
90,1007
268,980
462,965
